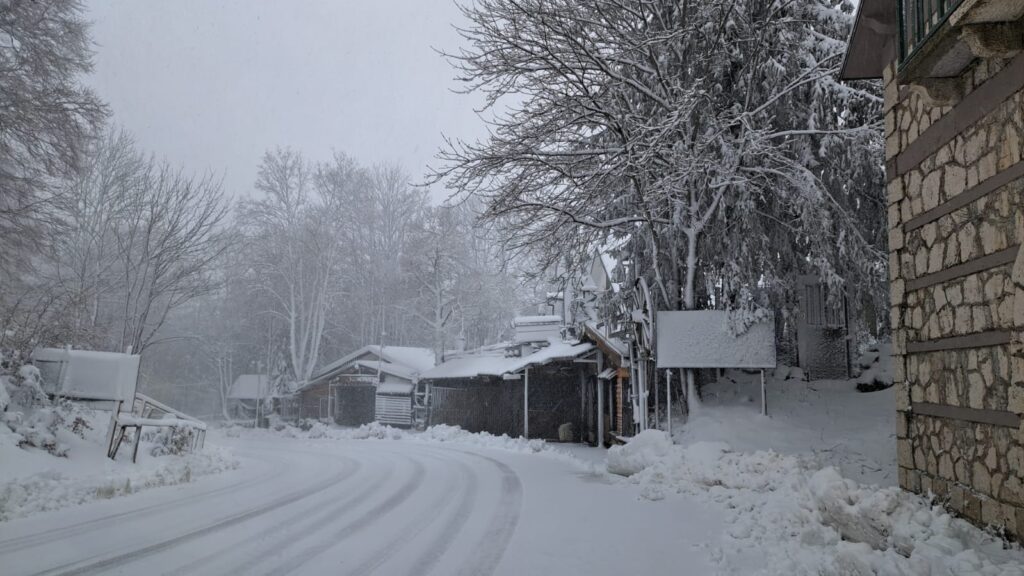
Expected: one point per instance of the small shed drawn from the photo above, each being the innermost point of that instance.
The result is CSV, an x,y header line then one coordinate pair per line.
x,y
246,391
349,390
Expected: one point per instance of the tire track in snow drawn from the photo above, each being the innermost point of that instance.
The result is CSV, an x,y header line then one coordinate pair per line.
x,y
425,519
404,492
448,532
298,529
100,566
492,545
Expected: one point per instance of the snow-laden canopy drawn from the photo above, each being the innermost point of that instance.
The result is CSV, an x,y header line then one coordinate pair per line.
x,y
492,364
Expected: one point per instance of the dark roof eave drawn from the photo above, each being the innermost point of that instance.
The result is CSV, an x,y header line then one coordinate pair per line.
x,y
872,43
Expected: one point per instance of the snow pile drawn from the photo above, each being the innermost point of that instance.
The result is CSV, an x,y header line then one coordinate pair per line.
x,y
438,434
875,367
642,451
787,517
456,435
52,490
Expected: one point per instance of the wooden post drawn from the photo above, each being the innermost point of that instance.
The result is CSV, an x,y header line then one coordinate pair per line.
x,y
764,397
135,446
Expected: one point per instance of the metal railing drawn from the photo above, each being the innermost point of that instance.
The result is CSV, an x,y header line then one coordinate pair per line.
x,y
919,19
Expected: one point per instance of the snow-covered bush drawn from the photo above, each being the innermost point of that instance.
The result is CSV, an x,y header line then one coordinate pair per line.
x,y
30,416
172,440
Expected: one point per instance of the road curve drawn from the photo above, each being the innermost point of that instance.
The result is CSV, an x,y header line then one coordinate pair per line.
x,y
370,507
350,508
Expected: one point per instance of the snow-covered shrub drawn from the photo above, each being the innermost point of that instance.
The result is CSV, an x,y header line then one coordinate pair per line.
x,y
172,440
30,416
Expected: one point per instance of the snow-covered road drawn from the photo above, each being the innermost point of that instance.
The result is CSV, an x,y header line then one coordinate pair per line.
x,y
362,507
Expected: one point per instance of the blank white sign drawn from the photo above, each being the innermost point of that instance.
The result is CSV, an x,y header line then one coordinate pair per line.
x,y
701,339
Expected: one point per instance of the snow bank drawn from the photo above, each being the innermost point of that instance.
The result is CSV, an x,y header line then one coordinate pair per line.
x,y
828,421
438,434
642,451
52,490
53,454
456,435
787,517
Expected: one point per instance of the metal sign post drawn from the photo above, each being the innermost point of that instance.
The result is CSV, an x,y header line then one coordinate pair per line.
x,y
526,403
668,399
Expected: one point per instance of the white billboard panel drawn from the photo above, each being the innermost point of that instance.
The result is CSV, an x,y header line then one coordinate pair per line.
x,y
701,339
88,375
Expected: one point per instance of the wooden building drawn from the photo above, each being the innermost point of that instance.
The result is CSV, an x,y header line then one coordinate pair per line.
x,y
526,389
370,384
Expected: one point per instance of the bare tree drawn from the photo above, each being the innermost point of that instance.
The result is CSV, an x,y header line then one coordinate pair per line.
x,y
45,119
293,247
168,241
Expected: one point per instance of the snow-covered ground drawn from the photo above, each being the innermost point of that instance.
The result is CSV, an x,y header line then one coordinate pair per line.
x,y
808,491
828,421
331,506
33,480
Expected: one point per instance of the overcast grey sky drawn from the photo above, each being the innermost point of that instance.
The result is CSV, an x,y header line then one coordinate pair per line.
x,y
211,85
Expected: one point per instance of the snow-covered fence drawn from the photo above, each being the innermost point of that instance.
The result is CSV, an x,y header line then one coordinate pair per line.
x,y
143,408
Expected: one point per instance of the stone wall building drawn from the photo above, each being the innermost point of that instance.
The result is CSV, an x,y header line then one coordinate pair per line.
x,y
953,75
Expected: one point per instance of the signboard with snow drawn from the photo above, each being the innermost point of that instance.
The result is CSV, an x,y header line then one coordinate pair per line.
x,y
702,339
87,375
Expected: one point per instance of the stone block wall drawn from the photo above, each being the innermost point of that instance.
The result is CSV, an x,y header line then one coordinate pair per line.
x,y
956,221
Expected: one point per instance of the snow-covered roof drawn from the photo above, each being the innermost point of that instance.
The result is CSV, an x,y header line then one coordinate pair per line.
x,y
250,387
492,364
402,372
419,359
394,388
415,359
